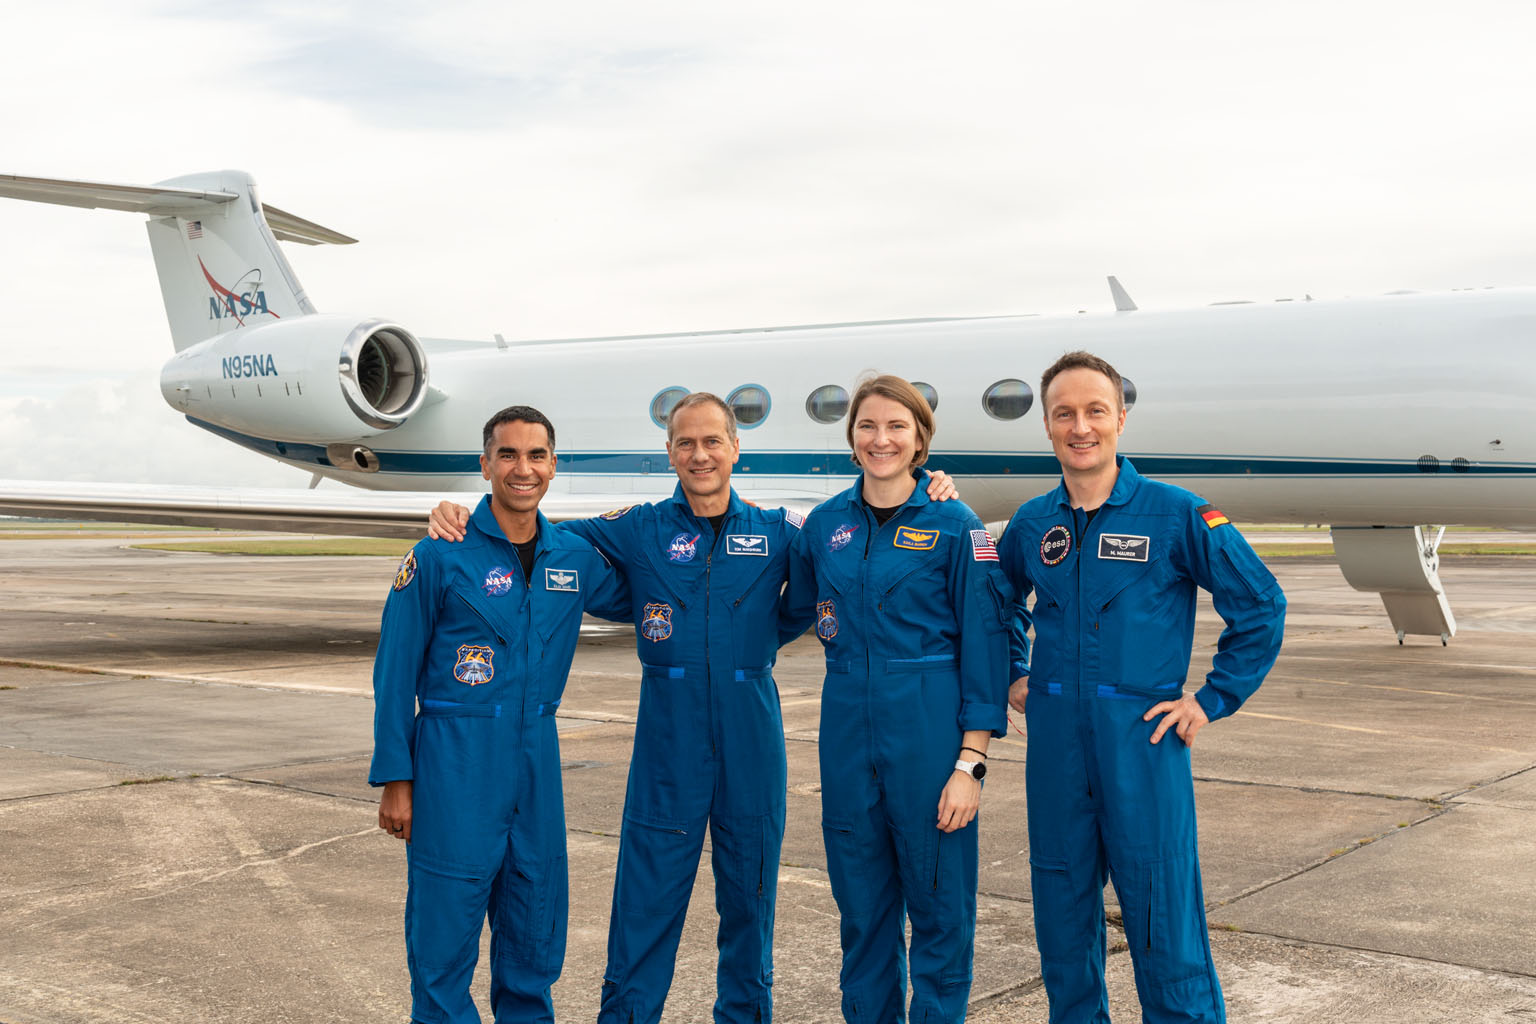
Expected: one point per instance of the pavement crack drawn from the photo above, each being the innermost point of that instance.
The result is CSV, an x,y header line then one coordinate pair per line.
x,y
1436,810
213,876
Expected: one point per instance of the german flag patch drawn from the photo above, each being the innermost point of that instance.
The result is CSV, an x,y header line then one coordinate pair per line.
x,y
1213,516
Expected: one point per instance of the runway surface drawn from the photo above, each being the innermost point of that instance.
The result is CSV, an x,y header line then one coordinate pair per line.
x,y
186,831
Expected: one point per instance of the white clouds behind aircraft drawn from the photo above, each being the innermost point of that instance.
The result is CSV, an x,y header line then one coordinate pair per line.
x,y
1383,412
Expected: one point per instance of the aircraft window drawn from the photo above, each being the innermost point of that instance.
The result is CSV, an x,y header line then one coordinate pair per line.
x,y
662,404
929,394
750,404
1130,391
1007,399
827,404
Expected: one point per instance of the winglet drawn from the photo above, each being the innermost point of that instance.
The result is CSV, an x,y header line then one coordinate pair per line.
x,y
1123,303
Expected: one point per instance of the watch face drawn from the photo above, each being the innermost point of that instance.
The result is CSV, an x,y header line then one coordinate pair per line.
x,y
979,771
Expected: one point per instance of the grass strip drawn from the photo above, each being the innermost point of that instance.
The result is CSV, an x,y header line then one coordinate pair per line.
x,y
393,548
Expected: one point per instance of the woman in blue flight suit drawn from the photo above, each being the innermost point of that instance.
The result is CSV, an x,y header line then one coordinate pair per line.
x,y
910,603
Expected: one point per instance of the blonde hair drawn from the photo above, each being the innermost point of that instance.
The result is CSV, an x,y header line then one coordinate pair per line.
x,y
897,390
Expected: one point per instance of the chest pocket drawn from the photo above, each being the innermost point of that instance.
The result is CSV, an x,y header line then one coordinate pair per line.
x,y
903,567
1120,562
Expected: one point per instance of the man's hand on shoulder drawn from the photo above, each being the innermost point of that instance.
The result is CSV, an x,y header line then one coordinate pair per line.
x,y
448,522
1185,715
940,486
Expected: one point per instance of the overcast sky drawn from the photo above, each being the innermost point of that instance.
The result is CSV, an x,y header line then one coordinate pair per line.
x,y
544,170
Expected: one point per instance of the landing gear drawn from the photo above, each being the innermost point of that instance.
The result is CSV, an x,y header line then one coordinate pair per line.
x,y
1401,563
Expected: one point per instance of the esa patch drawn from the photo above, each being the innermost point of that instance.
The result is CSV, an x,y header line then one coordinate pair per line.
x,y
982,548
406,572
1124,547
1055,545
656,622
567,581
1213,516
683,548
915,540
474,665
498,581
826,619
841,537
617,513
794,519
746,544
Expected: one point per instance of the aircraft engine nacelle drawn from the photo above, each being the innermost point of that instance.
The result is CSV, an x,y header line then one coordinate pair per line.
x,y
312,378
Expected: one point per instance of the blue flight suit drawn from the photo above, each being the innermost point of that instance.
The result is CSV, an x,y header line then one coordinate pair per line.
x,y
471,666
1114,619
912,617
709,748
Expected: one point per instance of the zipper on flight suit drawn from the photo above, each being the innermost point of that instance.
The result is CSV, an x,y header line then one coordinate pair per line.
x,y
481,616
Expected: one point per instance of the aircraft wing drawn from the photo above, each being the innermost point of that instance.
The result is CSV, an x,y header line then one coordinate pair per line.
x,y
285,510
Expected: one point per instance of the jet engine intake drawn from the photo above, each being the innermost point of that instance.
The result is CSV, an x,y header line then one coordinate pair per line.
x,y
324,378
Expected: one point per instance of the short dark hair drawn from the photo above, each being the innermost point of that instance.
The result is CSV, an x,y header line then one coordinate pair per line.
x,y
1080,360
703,398
517,414
899,390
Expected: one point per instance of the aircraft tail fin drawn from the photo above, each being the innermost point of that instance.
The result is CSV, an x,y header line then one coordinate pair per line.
x,y
215,246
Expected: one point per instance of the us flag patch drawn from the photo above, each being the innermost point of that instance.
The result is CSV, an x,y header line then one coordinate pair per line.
x,y
1213,516
794,519
982,548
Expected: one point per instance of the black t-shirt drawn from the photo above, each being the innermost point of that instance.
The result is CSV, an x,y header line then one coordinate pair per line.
x,y
883,515
525,554
718,521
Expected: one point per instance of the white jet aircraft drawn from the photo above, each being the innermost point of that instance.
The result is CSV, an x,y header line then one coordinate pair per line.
x,y
1371,415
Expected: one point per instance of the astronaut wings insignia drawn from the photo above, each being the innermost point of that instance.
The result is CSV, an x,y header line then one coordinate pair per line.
x,y
1122,547
562,579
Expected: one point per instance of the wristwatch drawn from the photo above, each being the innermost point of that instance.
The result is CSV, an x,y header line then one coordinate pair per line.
x,y
975,769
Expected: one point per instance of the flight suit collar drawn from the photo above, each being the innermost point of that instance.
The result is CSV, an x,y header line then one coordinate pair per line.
x,y
736,506
1125,486
917,499
484,520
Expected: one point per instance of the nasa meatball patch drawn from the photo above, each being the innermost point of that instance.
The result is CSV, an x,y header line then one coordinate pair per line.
x,y
1055,545
1124,547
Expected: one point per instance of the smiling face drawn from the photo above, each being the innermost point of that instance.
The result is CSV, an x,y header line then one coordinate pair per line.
x,y
1084,419
519,462
701,450
884,438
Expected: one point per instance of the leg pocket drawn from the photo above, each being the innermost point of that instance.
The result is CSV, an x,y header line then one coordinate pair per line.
x,y
445,907
532,911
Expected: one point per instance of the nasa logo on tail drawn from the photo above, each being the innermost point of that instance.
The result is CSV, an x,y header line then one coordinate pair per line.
x,y
243,299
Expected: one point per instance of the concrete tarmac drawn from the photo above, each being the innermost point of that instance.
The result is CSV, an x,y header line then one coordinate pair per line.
x,y
187,834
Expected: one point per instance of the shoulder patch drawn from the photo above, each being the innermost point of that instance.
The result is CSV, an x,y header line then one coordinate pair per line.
x,y
1213,516
982,547
406,572
617,513
794,519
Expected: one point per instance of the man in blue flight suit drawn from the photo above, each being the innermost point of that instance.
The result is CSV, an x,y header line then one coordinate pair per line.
x,y
474,649
1114,560
705,571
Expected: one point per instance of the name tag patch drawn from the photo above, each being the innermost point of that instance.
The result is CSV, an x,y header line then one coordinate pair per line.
x,y
1123,547
915,540
567,580
746,544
